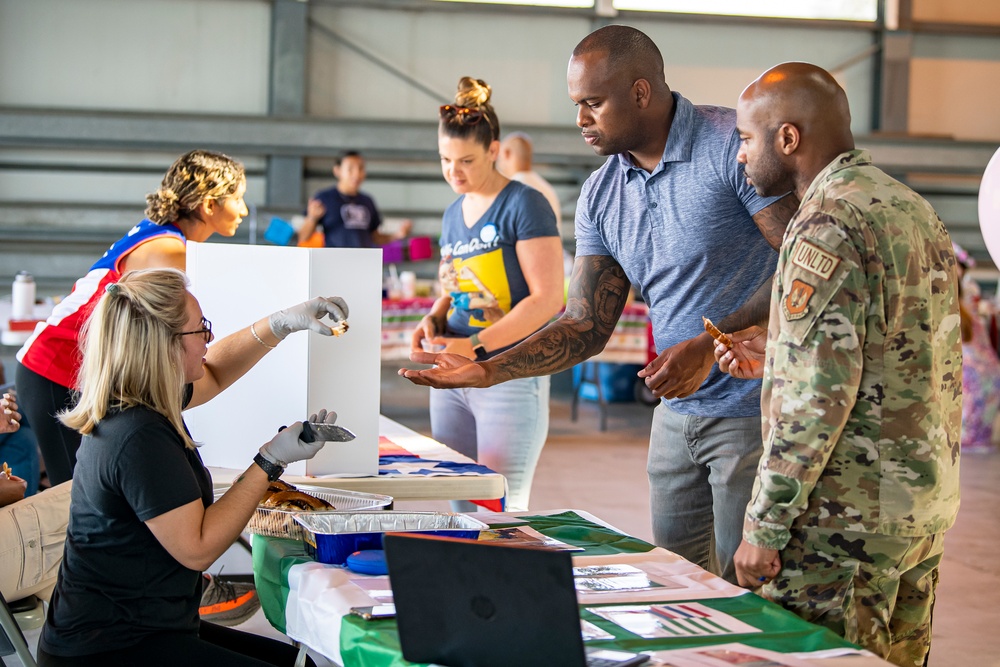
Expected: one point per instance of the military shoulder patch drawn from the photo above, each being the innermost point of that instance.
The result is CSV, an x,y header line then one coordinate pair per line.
x,y
814,259
795,303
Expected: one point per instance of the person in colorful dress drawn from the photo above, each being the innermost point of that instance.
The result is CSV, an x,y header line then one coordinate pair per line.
x,y
980,369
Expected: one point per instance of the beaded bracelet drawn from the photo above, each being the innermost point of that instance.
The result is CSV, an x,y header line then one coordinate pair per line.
x,y
253,332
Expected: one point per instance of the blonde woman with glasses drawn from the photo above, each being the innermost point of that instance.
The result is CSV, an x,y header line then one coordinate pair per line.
x,y
143,524
501,241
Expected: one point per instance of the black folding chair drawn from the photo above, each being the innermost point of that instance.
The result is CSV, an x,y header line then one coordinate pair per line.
x,y
11,638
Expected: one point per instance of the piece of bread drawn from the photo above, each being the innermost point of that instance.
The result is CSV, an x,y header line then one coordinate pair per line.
x,y
295,500
277,486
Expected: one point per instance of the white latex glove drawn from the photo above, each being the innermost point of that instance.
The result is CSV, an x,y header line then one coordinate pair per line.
x,y
324,417
286,447
307,315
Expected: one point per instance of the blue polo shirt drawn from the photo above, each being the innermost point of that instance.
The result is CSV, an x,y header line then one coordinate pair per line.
x,y
684,234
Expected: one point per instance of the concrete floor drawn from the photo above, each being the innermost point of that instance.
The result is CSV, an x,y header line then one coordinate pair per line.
x,y
604,473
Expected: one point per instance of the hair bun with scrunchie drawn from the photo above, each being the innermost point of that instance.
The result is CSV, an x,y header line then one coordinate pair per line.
x,y
473,93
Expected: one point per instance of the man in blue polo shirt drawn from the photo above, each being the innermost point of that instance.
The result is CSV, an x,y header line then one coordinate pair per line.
x,y
670,211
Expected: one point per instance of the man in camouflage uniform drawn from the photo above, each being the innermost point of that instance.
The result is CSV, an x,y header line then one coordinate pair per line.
x,y
862,378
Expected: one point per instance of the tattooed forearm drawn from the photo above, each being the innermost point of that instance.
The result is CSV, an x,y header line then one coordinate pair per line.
x,y
773,220
597,294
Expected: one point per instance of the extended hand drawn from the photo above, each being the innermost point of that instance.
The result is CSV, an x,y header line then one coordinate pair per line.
x,y
427,329
450,371
680,369
755,566
10,418
315,209
307,315
11,489
746,358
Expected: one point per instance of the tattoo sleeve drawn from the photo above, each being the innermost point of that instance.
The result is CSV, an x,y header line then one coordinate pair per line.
x,y
597,294
773,220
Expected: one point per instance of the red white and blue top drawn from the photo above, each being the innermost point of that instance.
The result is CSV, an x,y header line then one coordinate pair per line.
x,y
53,350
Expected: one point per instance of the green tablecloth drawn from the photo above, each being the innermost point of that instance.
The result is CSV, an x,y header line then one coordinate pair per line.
x,y
376,644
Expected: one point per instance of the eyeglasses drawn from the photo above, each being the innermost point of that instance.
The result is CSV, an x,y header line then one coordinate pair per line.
x,y
464,115
205,331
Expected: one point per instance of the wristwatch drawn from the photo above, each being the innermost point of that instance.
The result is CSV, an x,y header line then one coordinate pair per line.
x,y
478,347
273,470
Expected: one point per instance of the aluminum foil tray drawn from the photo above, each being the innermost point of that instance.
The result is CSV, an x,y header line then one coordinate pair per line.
x,y
331,538
272,522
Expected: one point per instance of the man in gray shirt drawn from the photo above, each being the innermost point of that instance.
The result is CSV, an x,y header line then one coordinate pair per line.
x,y
672,212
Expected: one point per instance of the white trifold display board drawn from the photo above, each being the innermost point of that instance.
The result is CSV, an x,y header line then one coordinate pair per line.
x,y
237,285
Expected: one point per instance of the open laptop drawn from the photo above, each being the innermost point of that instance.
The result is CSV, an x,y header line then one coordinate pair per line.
x,y
462,603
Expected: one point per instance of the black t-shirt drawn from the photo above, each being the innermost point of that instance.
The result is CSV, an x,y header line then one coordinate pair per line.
x,y
117,584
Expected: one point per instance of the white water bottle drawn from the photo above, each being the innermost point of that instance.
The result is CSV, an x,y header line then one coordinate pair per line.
x,y
22,302
408,284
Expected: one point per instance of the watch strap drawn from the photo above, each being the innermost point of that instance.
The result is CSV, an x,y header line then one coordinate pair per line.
x,y
478,347
273,470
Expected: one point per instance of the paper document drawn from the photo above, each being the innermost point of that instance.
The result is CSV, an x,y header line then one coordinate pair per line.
x,y
688,619
593,633
727,655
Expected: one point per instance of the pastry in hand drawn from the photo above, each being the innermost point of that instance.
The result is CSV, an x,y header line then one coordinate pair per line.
x,y
714,332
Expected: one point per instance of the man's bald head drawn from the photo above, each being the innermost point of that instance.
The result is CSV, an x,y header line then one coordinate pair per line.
x,y
809,98
628,51
515,153
615,78
793,121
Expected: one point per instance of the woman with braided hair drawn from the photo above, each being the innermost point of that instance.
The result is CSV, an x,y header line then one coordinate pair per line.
x,y
502,255
201,195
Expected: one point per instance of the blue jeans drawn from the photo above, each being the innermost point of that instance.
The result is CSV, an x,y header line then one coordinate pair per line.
x,y
502,427
701,473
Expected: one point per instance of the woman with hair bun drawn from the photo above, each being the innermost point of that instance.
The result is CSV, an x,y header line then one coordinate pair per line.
x,y
201,195
501,240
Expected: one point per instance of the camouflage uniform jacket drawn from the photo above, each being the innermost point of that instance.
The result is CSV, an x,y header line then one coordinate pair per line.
x,y
862,393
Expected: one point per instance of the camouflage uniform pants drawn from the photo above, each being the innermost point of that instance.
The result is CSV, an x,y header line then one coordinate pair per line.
x,y
873,590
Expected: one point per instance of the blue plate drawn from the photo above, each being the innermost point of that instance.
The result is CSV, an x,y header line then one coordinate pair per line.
x,y
371,561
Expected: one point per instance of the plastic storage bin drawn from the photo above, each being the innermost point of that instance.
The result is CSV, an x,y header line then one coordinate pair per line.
x,y
332,537
617,381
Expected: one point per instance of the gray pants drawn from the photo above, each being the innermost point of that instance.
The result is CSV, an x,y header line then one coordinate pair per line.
x,y
701,473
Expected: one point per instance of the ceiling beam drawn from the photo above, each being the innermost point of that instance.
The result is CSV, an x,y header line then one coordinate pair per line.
x,y
314,137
